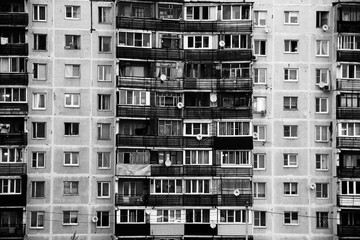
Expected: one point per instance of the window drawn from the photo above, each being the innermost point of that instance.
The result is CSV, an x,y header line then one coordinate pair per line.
x,y
259,133
38,160
259,218
201,12
72,41
228,70
291,17
71,159
39,12
260,47
259,161
291,46
198,157
349,129
37,219
71,188
103,219
260,18
233,216
291,74
291,218
166,186
290,188
321,133
11,155
171,11
10,186
290,131
72,12
260,75
321,161
132,216
197,215
72,100
71,129
103,160
290,103
193,129
348,42
259,190
104,102
170,41
104,14
40,41
168,216
350,161
104,44
350,71
130,97
170,128
103,189
322,48
321,105
39,71
321,18
39,130
236,12
131,39
290,160
350,100
350,187
70,218
322,220
37,189
143,157
12,65
104,73
322,76
237,41
259,104
72,71
39,101
166,99
15,95
235,157
322,190
197,186
197,42
176,157
103,131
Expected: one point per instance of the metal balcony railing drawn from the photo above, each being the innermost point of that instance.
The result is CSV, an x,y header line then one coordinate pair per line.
x,y
14,19
12,230
8,169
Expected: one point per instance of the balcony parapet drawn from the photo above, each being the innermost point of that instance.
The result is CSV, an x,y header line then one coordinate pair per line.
x,y
348,201
347,142
9,169
348,26
347,56
347,85
13,108
18,49
12,230
14,19
14,79
13,138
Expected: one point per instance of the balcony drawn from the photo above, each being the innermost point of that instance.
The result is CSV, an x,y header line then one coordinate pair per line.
x,y
348,231
149,83
348,172
148,112
347,85
244,143
347,142
348,113
126,200
348,27
149,141
347,56
160,170
9,169
18,49
14,19
14,79
200,229
13,138
12,231
218,55
132,229
217,113
14,200
218,84
348,201
13,108
149,53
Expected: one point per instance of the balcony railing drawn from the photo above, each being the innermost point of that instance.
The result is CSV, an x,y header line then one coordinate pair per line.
x,y
348,172
131,229
348,26
348,231
14,79
14,19
217,113
347,113
149,141
150,53
347,142
348,201
13,138
147,111
218,84
218,55
136,200
347,85
13,108
8,169
149,83
12,230
348,56
19,49
15,199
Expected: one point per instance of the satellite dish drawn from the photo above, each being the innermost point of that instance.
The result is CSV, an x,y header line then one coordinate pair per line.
x,y
199,137
213,224
162,77
255,135
148,211
180,105
168,163
236,192
94,219
325,27
321,85
312,186
213,97
222,43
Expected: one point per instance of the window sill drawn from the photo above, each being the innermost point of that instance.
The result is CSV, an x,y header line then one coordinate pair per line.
x,y
260,227
291,224
70,224
291,24
37,228
67,48
291,52
322,170
72,106
105,23
39,79
291,81
259,169
291,138
69,165
76,19
104,52
289,195
40,50
102,227
322,56
71,135
39,109
291,166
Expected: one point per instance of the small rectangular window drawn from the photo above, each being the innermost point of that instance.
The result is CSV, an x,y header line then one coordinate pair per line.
x,y
290,160
290,103
322,190
260,47
291,74
39,71
71,158
70,218
72,12
105,15
72,100
259,104
259,219
260,75
37,189
291,46
322,220
40,42
322,76
321,133
39,130
103,160
290,131
321,18
104,73
104,44
103,219
321,161
259,161
38,160
39,101
259,190
290,189
103,189
260,18
71,188
291,17
321,105
259,133
103,131
104,102
37,219
71,129
291,218
39,12
322,48
72,71
72,41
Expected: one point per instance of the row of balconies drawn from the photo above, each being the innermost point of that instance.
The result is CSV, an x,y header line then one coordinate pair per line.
x,y
186,55
14,19
19,49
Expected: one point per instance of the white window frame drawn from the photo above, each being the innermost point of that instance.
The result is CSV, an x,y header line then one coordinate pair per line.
x,y
322,190
290,103
74,100
35,185
102,42
290,160
232,17
258,187
36,155
103,103
319,131
126,43
319,105
12,64
162,183
70,68
322,162
40,71
39,101
212,13
293,189
259,161
260,18
348,42
350,71
293,131
102,73
101,193
288,46
196,184
233,41
10,186
103,18
74,12
258,217
137,97
35,126
319,48
192,39
258,129
38,217
101,215
289,73
322,220
349,129
322,75
8,95
260,75
101,134
320,17
73,158
73,188
197,157
37,46
74,129
203,130
233,216
72,42
37,9
291,17
11,154
168,216
196,211
235,157
350,188
73,217
236,129
120,214
103,160
291,218
258,47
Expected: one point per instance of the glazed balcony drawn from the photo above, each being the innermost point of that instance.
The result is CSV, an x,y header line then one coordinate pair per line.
x,y
149,83
14,79
347,56
14,19
138,229
147,111
13,138
348,113
149,53
347,85
217,113
218,55
18,49
13,108
9,169
348,26
348,231
12,231
218,84
347,142
348,200
135,200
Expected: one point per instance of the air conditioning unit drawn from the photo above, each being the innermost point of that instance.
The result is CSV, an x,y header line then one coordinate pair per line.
x,y
213,97
312,186
327,88
325,28
254,58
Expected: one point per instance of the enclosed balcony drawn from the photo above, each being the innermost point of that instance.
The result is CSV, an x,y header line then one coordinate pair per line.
x,y
12,131
348,231
348,26
148,112
218,55
11,225
347,85
148,83
18,49
348,200
347,142
348,20
13,19
347,56
349,223
15,196
14,79
348,113
13,108
149,53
